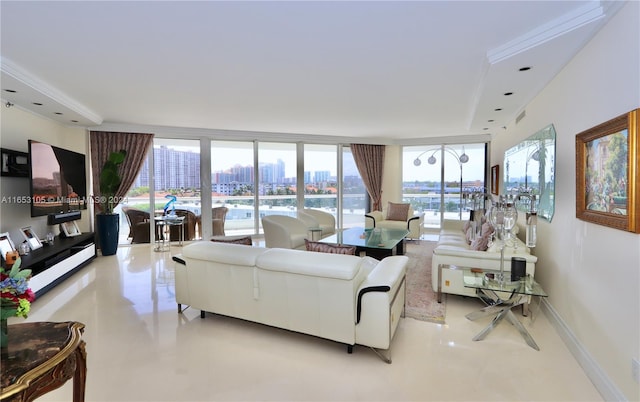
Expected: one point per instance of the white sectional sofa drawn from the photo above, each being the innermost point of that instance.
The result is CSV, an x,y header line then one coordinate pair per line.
x,y
348,299
453,252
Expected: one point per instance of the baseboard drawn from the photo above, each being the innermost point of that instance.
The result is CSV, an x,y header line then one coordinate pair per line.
x,y
599,378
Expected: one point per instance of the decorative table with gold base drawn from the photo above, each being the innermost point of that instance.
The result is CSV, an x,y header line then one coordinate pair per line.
x,y
40,357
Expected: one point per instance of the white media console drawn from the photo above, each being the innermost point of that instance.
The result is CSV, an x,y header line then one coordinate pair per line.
x,y
51,264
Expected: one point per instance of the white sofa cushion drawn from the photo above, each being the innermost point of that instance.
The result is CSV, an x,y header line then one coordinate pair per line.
x,y
240,254
336,266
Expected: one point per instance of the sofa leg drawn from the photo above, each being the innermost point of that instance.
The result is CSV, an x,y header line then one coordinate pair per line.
x,y
349,349
202,314
386,359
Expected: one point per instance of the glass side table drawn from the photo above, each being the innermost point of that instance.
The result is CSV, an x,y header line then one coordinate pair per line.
x,y
490,291
165,223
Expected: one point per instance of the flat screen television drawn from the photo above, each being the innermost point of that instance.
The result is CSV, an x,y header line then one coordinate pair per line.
x,y
58,179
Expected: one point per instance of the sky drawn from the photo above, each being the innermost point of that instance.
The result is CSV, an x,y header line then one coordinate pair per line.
x,y
227,153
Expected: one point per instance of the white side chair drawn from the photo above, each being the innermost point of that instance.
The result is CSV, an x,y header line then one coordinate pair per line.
x,y
281,231
315,218
412,222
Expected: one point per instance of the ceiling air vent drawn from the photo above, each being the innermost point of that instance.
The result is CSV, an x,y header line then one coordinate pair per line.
x,y
521,116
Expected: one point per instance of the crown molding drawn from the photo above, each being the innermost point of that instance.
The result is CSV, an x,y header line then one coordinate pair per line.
x,y
56,96
587,14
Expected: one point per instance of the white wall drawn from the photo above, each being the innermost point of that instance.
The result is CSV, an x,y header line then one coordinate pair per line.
x,y
17,127
591,272
392,177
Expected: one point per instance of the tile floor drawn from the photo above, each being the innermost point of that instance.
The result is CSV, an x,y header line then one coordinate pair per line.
x,y
140,349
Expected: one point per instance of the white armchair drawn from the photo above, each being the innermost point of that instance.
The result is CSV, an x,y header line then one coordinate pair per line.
x,y
395,217
315,218
281,231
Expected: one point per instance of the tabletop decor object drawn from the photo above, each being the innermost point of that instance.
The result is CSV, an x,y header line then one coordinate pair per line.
x,y
503,216
15,296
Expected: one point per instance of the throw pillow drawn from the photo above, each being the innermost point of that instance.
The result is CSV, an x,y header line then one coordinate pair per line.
x,y
466,226
469,235
246,240
397,212
480,243
329,248
487,229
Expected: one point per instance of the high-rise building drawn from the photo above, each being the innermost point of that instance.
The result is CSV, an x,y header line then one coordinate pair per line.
x,y
172,169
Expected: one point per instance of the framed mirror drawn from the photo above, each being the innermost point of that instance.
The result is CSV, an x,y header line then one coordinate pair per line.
x,y
530,167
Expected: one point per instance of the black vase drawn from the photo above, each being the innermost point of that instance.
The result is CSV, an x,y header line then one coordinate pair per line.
x,y
108,232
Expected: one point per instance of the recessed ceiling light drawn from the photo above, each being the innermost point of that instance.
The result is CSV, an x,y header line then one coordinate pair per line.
x,y
58,113
497,110
524,69
486,128
74,121
490,120
11,90
37,103
508,93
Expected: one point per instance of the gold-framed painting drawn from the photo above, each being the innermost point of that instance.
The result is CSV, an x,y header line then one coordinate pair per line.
x,y
495,176
607,190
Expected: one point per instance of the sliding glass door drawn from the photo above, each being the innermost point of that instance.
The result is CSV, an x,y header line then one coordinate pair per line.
x,y
251,179
277,183
435,178
173,184
233,183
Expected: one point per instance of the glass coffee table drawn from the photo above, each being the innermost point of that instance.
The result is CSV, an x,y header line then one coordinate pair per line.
x,y
491,291
377,243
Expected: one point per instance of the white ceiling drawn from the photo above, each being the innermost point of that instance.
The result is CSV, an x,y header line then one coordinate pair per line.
x,y
389,70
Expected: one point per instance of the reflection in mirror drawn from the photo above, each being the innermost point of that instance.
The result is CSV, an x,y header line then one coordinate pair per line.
x,y
530,167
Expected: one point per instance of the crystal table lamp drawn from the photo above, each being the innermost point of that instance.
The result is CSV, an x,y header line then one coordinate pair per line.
x,y
503,217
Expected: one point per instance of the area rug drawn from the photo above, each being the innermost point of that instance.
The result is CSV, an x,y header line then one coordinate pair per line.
x,y
421,301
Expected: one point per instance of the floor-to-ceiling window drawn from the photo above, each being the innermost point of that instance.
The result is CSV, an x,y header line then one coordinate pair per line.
x,y
174,184
320,177
251,179
232,184
277,183
435,178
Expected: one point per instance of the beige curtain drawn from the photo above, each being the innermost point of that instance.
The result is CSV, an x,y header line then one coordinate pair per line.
x,y
103,143
370,163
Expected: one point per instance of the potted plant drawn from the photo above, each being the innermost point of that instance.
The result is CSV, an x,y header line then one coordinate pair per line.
x,y
108,222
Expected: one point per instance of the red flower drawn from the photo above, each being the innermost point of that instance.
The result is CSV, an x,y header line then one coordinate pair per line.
x,y
30,295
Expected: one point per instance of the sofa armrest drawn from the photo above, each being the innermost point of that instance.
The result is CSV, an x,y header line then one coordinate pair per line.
x,y
380,301
414,225
365,290
456,251
181,286
372,218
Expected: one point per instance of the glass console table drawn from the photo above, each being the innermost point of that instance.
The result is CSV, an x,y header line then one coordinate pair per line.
x,y
491,291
